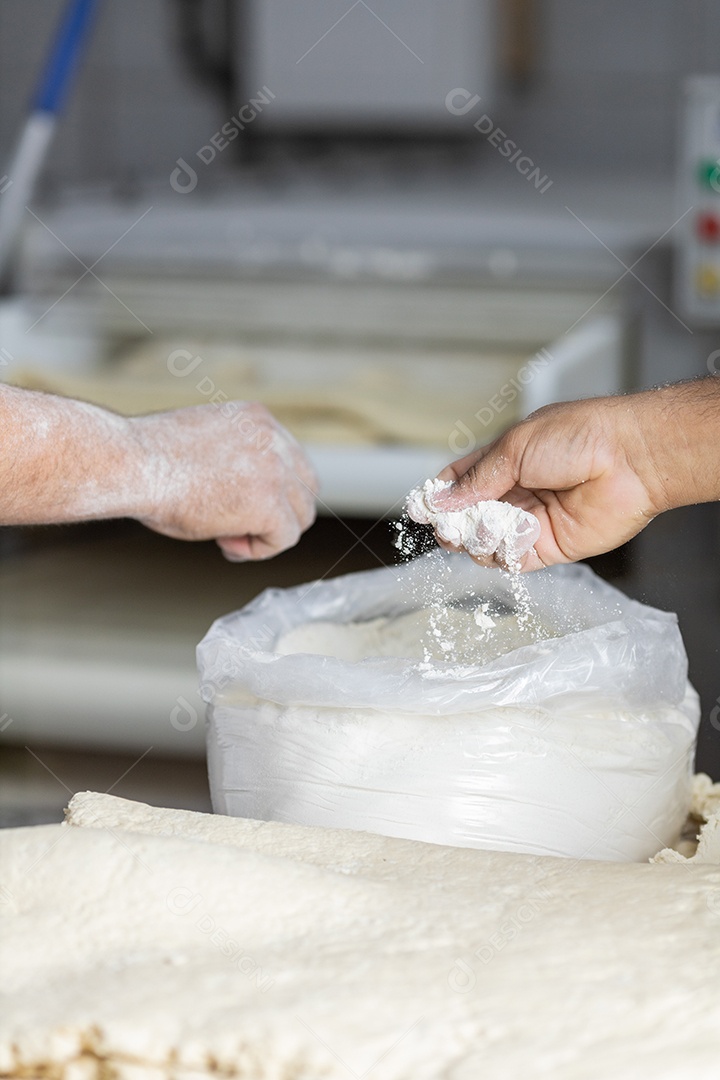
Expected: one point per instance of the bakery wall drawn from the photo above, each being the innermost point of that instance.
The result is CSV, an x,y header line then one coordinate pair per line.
x,y
600,89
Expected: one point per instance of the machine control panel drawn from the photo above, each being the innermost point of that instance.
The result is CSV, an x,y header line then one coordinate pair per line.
x,y
698,233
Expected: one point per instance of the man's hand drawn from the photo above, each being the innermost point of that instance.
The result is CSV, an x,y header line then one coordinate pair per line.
x,y
229,473
596,472
240,479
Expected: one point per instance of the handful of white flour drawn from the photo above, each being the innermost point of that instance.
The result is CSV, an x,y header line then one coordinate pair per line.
x,y
487,528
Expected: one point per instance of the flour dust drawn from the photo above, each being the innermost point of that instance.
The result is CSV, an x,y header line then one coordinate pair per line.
x,y
498,626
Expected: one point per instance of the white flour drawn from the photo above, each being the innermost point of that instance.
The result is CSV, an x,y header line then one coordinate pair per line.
x,y
499,776
419,702
487,528
415,637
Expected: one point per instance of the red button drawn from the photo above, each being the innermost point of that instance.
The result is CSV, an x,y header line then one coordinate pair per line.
x,y
708,228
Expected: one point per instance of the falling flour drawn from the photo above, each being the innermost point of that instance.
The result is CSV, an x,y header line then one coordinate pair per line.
x,y
485,529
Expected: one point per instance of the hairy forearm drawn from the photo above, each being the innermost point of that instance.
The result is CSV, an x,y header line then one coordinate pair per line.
x,y
680,425
202,473
65,461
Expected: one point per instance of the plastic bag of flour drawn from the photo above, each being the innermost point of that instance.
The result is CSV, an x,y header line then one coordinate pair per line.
x,y
562,724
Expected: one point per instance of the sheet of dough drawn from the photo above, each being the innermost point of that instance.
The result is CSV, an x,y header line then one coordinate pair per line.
x,y
325,394
700,844
369,853
365,956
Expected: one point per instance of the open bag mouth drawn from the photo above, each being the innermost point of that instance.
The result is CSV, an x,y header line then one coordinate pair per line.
x,y
596,641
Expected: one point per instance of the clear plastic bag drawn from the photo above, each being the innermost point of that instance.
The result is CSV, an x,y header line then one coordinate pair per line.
x,y
580,744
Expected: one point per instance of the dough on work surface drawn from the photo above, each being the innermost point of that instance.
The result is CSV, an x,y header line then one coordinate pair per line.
x,y
705,797
705,847
216,947
322,393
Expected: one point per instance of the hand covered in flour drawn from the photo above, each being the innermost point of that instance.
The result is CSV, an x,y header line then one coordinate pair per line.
x,y
594,473
228,473
234,475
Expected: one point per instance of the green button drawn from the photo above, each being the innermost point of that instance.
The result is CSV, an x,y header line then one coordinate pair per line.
x,y
709,174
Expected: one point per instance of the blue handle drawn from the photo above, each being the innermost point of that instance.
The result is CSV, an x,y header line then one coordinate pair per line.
x,y
64,55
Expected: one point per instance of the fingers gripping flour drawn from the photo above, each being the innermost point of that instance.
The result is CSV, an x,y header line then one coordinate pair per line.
x,y
484,529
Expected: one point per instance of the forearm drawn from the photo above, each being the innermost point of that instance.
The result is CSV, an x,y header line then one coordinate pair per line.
x,y
680,426
65,461
202,473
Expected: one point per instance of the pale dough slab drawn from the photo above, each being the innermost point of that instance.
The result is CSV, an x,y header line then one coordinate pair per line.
x,y
705,806
332,394
379,957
